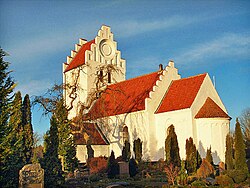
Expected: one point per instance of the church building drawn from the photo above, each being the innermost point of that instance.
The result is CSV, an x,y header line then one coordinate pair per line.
x,y
107,110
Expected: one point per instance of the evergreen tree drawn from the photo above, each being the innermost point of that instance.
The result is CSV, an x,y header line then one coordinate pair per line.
x,y
172,148
126,151
113,168
193,159
133,167
229,152
28,130
209,156
6,89
240,154
13,155
66,147
51,163
138,149
90,150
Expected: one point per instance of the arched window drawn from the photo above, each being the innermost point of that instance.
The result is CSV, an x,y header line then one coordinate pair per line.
x,y
109,77
101,75
125,134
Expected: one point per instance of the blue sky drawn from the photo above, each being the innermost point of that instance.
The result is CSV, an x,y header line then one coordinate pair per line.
x,y
200,36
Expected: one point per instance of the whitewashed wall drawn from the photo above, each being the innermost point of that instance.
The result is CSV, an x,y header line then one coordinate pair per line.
x,y
99,150
212,132
182,121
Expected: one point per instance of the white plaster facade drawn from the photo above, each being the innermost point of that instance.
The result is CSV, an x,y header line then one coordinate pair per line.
x,y
149,126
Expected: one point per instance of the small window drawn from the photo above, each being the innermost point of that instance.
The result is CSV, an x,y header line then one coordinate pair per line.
x,y
125,134
101,75
109,77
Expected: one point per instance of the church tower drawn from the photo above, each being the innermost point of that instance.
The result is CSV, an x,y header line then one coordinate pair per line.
x,y
90,68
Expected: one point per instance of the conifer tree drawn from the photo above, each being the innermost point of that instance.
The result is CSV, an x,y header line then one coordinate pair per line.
x,y
6,89
209,157
133,167
112,168
51,163
90,150
193,159
28,130
13,144
66,147
172,148
138,149
240,154
126,151
229,152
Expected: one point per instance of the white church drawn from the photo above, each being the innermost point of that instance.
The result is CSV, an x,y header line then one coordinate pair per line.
x,y
113,109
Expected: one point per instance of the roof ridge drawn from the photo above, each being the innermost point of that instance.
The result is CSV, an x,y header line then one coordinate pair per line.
x,y
135,77
192,76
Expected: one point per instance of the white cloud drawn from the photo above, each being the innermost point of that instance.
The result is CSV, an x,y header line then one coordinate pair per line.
x,y
34,87
133,27
230,46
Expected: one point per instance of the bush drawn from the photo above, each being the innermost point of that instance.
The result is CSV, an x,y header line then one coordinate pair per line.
x,y
224,180
97,165
94,177
198,183
237,175
205,170
191,179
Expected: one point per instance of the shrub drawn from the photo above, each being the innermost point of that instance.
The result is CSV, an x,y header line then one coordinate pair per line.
x,y
133,167
205,170
237,175
198,183
94,177
224,180
113,167
191,179
97,165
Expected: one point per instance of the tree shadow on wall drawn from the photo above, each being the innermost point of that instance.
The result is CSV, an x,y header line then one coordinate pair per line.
x,y
203,153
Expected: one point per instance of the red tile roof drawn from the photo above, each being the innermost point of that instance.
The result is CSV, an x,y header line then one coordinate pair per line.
x,y
124,97
211,110
79,58
181,94
93,133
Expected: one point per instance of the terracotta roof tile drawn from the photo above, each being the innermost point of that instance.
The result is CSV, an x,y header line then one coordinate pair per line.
x,y
79,58
88,131
211,110
124,97
181,94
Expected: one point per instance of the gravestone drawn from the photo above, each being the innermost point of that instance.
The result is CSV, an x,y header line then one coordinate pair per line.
x,y
123,169
31,176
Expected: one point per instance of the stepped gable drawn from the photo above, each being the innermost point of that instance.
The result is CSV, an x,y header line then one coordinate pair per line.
x,y
90,132
79,58
124,97
181,94
211,110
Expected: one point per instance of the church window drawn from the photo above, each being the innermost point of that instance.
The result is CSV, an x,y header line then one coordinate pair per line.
x,y
101,75
125,134
109,77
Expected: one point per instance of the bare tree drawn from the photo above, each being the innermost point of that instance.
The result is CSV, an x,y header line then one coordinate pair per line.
x,y
245,124
172,173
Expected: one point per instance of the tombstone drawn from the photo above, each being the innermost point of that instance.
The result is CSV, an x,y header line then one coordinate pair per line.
x,y
31,176
123,169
